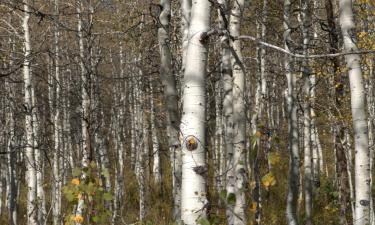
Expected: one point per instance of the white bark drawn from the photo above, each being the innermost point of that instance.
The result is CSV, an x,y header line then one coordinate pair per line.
x,y
262,58
57,184
227,80
307,115
31,175
362,158
194,168
171,100
41,200
185,23
86,148
238,216
156,169
293,180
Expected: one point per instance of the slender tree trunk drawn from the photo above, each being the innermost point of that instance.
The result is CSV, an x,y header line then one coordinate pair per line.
x,y
56,194
227,80
194,169
362,157
85,117
171,99
31,175
293,180
12,156
239,116
307,114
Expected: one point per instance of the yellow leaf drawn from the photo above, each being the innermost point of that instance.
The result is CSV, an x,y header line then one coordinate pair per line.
x,y
77,219
268,180
253,207
75,181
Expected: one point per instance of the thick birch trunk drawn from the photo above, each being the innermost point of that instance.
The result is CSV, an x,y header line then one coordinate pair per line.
x,y
194,169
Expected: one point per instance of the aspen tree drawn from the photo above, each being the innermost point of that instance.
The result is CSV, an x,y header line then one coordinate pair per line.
x,y
31,174
194,169
357,92
227,83
238,177
307,113
293,179
85,117
11,142
56,194
171,100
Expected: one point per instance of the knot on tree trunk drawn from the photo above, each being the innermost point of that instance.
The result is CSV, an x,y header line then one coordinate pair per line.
x,y
191,143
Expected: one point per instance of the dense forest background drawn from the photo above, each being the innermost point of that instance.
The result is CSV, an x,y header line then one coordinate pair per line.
x,y
105,105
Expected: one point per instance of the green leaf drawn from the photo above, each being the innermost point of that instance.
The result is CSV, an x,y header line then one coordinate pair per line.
x,y
107,196
93,165
223,194
105,173
69,194
274,158
76,172
203,221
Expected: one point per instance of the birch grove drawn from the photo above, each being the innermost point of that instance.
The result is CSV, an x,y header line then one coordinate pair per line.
x,y
195,112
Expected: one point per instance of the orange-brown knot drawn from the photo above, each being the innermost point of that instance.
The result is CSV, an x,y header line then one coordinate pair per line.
x,y
191,143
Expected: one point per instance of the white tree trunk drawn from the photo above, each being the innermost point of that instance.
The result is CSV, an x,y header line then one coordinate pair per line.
x,y
362,157
194,169
293,180
239,116
31,175
86,148
185,23
307,114
227,80
171,99
57,178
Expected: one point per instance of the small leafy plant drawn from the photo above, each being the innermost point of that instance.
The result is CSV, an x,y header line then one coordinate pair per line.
x,y
87,185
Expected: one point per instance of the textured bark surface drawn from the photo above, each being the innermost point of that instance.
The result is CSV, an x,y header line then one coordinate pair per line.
x,y
237,179
293,179
194,169
171,100
358,98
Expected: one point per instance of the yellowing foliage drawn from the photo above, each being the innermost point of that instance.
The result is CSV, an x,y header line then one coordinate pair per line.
x,y
75,181
77,219
268,180
253,207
